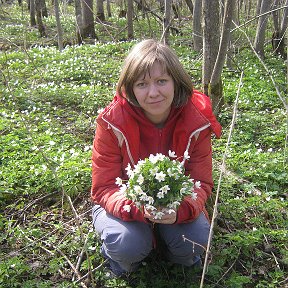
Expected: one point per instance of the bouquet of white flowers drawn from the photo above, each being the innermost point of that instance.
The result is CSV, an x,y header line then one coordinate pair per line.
x,y
158,184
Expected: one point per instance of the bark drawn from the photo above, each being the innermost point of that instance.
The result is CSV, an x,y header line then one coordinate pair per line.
x,y
88,19
210,40
215,81
224,40
38,9
100,10
190,5
59,27
284,22
108,5
130,19
166,22
197,26
261,28
275,15
79,21
32,13
278,37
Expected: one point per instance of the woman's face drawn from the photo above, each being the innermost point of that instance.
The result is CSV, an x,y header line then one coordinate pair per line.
x,y
154,92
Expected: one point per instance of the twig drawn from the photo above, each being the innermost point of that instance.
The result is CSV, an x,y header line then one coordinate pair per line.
x,y
276,261
194,243
231,266
80,257
258,16
87,274
219,181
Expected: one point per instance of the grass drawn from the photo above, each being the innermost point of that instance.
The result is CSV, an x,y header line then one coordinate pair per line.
x,y
49,102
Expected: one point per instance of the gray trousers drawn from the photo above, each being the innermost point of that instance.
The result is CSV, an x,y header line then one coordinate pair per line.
x,y
126,244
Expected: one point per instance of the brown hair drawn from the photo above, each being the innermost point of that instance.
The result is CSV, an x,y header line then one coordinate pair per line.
x,y
140,60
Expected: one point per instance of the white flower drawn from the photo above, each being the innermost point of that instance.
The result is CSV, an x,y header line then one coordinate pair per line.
x,y
165,189
140,179
171,211
154,170
127,208
183,190
150,200
129,170
158,215
194,196
123,188
150,207
160,176
153,158
172,154
197,184
160,194
138,189
170,172
173,205
118,181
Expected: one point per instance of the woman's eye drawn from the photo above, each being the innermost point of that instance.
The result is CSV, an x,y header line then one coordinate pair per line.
x,y
162,81
140,84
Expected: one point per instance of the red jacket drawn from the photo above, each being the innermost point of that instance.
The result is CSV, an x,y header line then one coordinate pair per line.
x,y
124,135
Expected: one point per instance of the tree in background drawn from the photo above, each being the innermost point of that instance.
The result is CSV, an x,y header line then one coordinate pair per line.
x,y
280,26
167,20
197,26
215,87
261,27
85,26
211,38
100,10
130,12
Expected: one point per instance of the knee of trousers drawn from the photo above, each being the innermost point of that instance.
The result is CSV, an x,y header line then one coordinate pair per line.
x,y
128,245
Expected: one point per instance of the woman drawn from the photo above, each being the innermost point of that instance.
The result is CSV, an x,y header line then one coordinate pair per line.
x,y
155,110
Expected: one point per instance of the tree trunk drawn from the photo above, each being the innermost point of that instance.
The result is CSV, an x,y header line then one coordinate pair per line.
x,y
190,5
275,15
100,10
130,19
108,5
79,21
284,22
261,28
215,81
59,27
88,19
197,26
278,37
41,27
210,40
166,22
31,7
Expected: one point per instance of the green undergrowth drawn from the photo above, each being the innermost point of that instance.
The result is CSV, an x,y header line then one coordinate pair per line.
x,y
49,102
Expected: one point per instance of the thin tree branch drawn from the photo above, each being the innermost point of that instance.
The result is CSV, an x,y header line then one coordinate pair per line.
x,y
215,211
258,16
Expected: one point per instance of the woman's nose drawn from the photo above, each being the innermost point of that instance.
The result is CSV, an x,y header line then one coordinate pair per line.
x,y
153,91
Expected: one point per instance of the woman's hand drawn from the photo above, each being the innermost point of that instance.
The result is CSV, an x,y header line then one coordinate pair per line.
x,y
167,218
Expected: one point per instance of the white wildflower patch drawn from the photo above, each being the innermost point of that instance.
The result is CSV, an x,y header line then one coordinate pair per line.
x,y
158,184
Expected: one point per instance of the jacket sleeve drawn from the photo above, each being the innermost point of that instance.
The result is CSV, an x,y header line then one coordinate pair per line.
x,y
199,166
106,167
